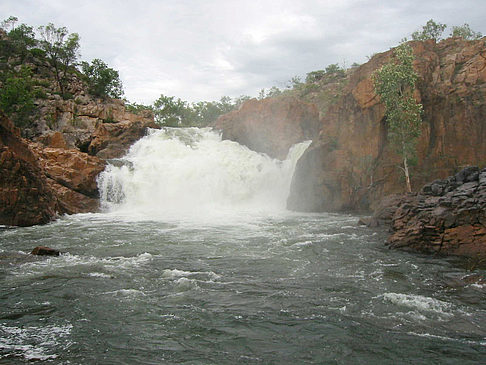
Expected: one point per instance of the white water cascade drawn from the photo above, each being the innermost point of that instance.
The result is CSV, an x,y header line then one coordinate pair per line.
x,y
192,172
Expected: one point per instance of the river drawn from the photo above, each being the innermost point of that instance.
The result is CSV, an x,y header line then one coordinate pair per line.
x,y
194,260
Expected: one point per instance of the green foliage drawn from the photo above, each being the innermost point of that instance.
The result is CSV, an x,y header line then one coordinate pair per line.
x,y
240,100
395,83
52,54
465,31
272,92
102,80
17,96
206,112
16,47
331,73
295,83
334,68
315,76
431,30
9,23
172,112
169,111
61,50
136,108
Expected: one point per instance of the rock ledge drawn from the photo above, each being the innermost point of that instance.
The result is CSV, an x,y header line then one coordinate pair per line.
x,y
446,217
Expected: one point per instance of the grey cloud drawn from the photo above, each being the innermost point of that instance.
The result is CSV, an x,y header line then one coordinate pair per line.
x,y
201,50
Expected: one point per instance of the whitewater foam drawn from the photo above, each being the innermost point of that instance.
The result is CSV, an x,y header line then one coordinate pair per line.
x,y
34,342
419,302
193,172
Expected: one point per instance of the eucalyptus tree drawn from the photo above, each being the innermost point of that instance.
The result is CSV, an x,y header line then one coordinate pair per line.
x,y
395,83
62,51
102,80
465,31
431,30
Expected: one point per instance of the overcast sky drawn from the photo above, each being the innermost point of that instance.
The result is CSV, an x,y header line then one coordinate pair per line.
x,y
204,49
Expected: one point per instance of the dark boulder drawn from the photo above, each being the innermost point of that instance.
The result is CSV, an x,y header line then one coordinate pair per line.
x,y
45,251
447,216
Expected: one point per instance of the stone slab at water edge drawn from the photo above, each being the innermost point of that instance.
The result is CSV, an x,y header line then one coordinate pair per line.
x,y
446,217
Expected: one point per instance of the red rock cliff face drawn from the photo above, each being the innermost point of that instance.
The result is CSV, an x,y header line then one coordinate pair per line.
x,y
25,195
352,166
272,125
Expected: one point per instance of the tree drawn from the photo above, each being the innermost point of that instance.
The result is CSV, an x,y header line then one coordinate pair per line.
x,y
465,31
240,100
295,83
9,23
61,50
18,42
431,30
315,76
205,112
17,96
334,68
273,92
170,111
395,83
102,80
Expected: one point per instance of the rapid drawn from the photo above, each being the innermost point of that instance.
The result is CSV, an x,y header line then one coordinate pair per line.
x,y
195,260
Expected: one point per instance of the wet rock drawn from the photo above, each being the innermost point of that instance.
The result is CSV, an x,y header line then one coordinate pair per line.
x,y
451,223
45,251
371,222
25,196
72,169
112,140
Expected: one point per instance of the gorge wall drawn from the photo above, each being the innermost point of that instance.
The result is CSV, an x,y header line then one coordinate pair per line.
x,y
272,125
350,165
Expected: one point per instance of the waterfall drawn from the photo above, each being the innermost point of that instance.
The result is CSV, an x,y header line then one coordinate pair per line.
x,y
192,171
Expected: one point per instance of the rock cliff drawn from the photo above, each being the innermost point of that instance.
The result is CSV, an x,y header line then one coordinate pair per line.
x,y
54,172
351,165
272,125
25,196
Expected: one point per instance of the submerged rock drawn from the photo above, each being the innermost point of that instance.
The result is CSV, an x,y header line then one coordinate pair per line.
x,y
45,251
447,217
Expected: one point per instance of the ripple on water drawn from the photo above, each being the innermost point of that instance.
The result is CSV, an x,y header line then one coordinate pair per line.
x,y
78,263
34,342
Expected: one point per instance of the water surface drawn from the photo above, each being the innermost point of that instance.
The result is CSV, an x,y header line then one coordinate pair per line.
x,y
184,268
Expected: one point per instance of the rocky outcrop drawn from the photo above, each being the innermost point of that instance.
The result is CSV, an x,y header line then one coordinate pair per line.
x,y
71,174
56,174
112,140
272,125
25,196
90,125
352,166
447,217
